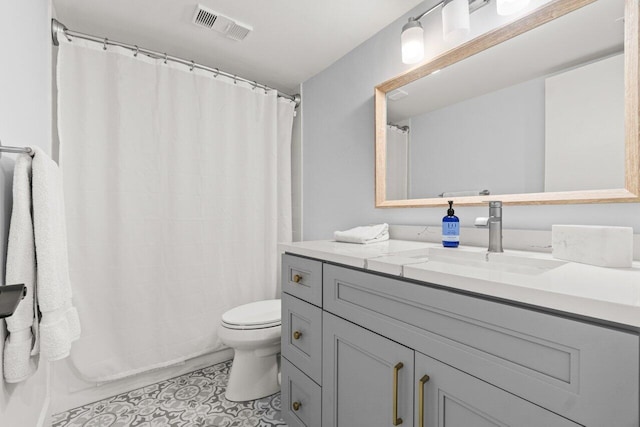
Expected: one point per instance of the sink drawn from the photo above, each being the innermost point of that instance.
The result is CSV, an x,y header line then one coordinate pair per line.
x,y
466,260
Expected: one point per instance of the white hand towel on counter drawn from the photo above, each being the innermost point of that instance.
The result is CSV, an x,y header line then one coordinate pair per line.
x,y
364,234
21,268
59,325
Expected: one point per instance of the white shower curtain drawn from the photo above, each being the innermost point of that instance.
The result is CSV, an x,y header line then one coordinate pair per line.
x,y
177,187
397,163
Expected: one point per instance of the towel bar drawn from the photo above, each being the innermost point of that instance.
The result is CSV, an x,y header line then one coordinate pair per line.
x,y
10,297
7,149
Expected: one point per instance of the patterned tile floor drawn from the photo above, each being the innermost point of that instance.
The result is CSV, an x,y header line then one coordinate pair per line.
x,y
195,399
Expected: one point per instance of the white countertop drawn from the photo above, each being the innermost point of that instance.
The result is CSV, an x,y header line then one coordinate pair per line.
x,y
611,294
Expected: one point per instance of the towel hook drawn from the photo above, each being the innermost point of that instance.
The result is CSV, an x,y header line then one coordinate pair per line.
x,y
104,44
135,54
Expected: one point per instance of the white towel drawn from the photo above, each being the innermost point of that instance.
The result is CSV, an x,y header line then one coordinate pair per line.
x,y
21,268
59,325
364,234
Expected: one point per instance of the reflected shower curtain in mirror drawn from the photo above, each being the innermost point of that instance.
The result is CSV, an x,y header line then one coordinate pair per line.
x,y
177,187
397,163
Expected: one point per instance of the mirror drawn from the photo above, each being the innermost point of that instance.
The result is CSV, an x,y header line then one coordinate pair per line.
x,y
541,110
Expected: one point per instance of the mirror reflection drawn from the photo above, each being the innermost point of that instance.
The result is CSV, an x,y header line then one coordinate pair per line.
x,y
541,112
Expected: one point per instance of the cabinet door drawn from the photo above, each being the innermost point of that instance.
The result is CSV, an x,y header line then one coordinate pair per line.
x,y
447,397
367,379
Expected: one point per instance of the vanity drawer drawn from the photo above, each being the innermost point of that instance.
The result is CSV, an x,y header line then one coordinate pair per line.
x,y
302,277
302,336
582,371
301,398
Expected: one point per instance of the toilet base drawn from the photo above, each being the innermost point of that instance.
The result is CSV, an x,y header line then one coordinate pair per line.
x,y
252,377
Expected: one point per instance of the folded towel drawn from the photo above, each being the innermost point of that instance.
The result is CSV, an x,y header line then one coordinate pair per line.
x,y
59,325
364,234
465,193
21,268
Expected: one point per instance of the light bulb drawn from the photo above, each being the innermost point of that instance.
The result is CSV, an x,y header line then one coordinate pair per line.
x,y
412,42
509,7
455,19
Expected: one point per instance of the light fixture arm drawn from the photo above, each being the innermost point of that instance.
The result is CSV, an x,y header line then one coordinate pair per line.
x,y
473,6
428,11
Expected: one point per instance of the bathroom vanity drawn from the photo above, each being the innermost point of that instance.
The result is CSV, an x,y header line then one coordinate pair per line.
x,y
401,333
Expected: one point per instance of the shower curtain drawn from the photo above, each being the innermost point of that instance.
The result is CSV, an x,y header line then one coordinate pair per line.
x,y
397,163
177,187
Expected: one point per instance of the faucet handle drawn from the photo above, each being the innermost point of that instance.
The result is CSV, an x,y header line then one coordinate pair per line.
x,y
482,221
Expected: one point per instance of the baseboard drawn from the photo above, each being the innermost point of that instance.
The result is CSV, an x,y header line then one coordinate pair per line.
x,y
44,420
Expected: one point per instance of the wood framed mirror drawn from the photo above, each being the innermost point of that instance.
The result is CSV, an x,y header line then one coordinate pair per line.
x,y
542,110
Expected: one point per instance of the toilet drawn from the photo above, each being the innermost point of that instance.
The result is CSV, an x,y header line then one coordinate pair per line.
x,y
253,331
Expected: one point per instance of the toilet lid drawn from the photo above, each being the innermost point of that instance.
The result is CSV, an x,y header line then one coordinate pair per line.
x,y
259,313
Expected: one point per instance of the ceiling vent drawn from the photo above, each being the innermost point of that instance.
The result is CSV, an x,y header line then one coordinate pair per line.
x,y
396,95
207,18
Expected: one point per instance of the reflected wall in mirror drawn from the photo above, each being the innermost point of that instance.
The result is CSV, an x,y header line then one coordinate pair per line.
x,y
541,110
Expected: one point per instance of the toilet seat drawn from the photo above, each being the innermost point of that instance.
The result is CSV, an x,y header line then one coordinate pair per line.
x,y
255,315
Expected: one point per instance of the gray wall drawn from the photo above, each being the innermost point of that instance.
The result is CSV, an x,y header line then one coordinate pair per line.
x,y
338,141
454,148
25,119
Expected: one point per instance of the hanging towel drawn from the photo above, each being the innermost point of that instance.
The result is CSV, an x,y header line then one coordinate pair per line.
x,y
364,234
21,268
59,325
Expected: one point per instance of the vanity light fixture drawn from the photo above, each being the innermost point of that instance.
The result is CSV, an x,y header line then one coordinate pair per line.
x,y
455,19
455,23
508,7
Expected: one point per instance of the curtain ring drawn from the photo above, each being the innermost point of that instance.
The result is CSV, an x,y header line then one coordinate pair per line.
x,y
216,74
235,80
104,44
135,54
165,57
193,64
255,85
265,90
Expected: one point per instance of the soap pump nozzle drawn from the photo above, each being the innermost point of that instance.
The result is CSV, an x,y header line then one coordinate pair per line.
x,y
450,211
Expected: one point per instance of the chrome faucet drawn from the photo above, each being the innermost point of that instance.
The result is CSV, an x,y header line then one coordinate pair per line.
x,y
494,222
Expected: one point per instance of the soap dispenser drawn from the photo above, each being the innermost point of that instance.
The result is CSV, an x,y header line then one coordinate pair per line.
x,y
450,228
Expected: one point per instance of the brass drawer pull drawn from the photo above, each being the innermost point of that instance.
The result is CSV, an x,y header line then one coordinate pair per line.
x,y
296,405
421,384
297,335
396,421
297,278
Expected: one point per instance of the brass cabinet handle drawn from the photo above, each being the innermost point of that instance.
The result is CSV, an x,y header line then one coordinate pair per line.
x,y
297,278
296,405
421,384
297,335
396,421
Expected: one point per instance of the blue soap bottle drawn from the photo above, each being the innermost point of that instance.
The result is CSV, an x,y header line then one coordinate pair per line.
x,y
450,228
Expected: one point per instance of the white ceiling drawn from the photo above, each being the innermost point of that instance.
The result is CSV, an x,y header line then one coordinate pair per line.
x,y
291,41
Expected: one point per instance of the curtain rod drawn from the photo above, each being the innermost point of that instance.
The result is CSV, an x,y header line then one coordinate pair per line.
x,y
58,27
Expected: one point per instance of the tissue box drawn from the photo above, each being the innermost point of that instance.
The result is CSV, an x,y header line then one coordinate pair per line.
x,y
594,245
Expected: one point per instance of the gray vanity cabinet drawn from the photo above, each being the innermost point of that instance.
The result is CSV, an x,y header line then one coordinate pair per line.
x,y
447,397
367,379
377,349
301,341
